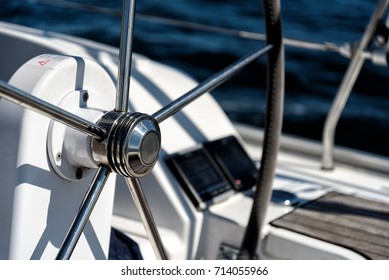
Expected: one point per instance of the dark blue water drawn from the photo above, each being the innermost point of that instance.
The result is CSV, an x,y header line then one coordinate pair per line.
x,y
312,77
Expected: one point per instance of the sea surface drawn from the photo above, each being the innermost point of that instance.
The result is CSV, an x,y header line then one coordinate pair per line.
x,y
312,76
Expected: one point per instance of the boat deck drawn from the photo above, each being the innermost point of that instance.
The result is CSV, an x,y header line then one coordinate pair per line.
x,y
346,208
355,223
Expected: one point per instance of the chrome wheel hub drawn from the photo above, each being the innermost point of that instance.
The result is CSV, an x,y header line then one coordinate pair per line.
x,y
132,146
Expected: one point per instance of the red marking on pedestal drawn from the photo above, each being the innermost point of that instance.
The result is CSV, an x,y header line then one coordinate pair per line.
x,y
43,62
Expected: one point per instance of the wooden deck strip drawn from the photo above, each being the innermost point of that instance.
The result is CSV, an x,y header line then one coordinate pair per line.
x,y
339,237
358,202
351,215
347,224
348,221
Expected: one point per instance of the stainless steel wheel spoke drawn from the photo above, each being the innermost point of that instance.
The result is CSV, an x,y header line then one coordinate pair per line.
x,y
208,85
125,56
47,109
84,213
146,217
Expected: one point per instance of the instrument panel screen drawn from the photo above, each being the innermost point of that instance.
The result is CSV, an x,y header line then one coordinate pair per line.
x,y
213,171
233,160
199,175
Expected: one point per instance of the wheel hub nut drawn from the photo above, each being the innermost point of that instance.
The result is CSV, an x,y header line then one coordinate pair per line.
x,y
133,143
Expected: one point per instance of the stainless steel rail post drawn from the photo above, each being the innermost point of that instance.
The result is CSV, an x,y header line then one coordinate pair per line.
x,y
346,86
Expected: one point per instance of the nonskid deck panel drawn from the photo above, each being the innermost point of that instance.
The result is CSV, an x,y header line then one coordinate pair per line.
x,y
352,222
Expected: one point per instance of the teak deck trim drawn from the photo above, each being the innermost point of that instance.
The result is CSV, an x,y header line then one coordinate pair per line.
x,y
358,224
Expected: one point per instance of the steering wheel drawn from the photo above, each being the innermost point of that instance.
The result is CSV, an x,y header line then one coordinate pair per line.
x,y
128,143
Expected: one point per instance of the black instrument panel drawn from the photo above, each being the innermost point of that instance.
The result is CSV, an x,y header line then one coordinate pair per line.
x,y
213,171
199,176
234,162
